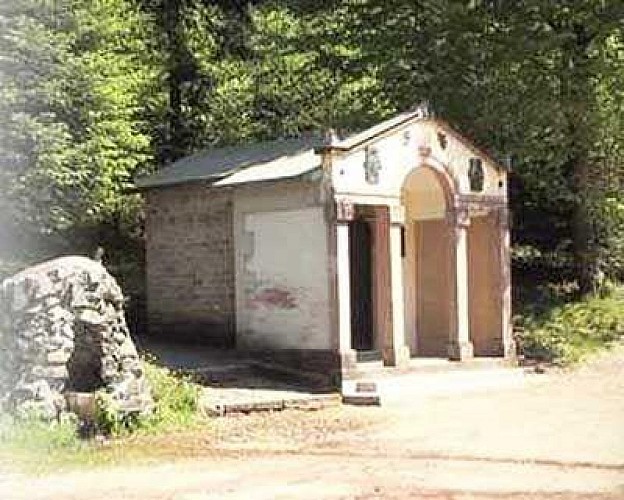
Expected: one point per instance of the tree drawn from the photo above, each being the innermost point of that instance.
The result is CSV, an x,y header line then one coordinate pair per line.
x,y
76,78
553,66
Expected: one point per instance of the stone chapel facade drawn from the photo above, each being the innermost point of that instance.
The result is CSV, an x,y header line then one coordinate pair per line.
x,y
392,241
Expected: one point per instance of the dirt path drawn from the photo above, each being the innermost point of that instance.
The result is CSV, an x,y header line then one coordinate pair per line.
x,y
559,435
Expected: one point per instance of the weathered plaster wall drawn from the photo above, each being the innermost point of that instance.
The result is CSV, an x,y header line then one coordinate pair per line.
x,y
423,196
282,261
434,286
190,264
485,297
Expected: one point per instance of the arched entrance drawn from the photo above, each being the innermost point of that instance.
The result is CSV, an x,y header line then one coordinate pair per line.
x,y
429,265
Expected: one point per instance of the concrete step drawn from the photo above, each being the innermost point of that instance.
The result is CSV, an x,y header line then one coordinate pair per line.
x,y
237,401
429,365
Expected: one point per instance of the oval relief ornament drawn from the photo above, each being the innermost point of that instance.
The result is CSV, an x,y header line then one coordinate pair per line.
x,y
372,165
476,175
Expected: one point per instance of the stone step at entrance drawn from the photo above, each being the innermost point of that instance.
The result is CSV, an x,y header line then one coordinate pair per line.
x,y
393,387
361,393
372,356
375,368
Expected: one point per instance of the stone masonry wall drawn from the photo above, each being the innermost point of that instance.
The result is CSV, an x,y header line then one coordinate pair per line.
x,y
63,331
190,264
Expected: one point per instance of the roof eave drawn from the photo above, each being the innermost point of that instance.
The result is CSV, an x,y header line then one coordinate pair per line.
x,y
156,185
417,116
338,147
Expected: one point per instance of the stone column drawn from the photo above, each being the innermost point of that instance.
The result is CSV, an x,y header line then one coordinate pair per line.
x,y
399,353
345,213
460,346
388,287
508,345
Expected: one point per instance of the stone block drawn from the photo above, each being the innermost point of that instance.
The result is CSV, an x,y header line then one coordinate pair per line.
x,y
361,399
365,387
90,317
82,404
360,393
56,372
58,357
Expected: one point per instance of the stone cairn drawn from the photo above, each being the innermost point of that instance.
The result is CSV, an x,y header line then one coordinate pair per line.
x,y
63,334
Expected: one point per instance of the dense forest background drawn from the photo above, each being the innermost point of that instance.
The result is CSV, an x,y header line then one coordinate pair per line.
x,y
96,92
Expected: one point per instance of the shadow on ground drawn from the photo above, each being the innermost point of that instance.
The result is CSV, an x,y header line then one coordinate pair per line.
x,y
228,369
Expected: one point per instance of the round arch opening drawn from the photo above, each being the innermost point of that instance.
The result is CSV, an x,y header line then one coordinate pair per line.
x,y
429,276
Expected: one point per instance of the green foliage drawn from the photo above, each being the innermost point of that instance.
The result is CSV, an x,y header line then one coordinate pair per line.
x,y
176,397
95,92
109,417
75,75
35,434
176,404
565,333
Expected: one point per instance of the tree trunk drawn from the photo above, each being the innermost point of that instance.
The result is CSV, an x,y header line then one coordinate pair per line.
x,y
581,229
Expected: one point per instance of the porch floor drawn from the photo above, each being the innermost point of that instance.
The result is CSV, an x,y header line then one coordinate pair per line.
x,y
235,384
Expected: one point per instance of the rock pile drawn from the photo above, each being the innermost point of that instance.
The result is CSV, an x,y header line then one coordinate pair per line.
x,y
63,331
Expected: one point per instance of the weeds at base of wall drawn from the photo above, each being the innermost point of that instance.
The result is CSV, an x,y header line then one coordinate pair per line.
x,y
176,404
565,334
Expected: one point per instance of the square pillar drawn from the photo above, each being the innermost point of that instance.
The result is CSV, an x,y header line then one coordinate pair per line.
x,y
345,214
388,289
460,347
400,352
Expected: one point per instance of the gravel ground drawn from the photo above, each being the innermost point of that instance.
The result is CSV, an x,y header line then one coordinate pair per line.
x,y
553,436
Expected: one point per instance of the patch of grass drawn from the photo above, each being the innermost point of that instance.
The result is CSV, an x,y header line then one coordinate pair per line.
x,y
34,444
38,446
176,404
36,434
566,333
176,398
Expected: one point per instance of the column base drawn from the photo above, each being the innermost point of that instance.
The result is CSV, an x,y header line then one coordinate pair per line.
x,y
503,348
398,357
460,351
348,360
510,350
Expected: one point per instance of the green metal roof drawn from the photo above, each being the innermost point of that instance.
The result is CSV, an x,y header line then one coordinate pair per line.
x,y
282,158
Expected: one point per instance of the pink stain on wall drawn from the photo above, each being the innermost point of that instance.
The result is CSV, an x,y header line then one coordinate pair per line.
x,y
272,297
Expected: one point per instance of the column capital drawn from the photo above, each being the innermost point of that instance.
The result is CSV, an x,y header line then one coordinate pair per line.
x,y
345,210
503,217
397,215
459,217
